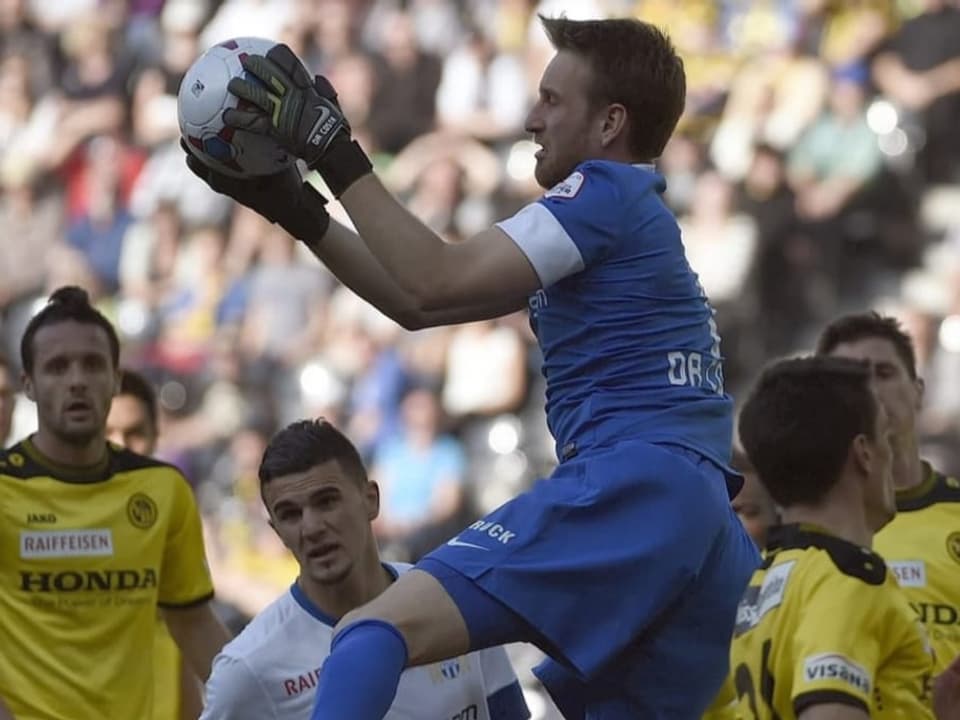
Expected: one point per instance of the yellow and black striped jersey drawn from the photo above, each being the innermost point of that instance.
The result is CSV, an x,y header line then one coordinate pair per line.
x,y
823,621
86,558
921,545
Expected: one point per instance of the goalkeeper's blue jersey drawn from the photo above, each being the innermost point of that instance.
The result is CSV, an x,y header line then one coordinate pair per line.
x,y
630,346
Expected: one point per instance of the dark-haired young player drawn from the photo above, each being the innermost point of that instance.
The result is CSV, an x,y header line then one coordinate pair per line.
x,y
93,539
823,631
922,543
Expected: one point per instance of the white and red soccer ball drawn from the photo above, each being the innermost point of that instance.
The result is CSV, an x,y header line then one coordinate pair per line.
x,y
203,97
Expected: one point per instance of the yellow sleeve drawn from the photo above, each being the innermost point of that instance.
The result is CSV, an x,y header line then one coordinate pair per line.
x,y
724,705
185,576
838,641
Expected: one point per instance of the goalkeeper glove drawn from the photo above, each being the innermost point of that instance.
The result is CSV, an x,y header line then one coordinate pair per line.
x,y
302,114
282,198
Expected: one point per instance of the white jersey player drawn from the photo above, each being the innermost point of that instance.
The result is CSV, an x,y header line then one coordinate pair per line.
x,y
321,504
270,671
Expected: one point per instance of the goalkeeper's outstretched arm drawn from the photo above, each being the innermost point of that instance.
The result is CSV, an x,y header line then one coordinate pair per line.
x,y
349,258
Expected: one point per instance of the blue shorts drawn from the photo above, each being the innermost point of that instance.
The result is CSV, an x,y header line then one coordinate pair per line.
x,y
625,566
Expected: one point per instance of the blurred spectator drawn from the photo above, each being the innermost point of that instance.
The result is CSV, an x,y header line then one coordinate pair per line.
x,y
447,182
720,243
148,257
19,35
154,115
486,371
775,96
333,36
195,308
832,165
93,85
355,77
404,101
97,232
285,301
721,246
199,420
31,223
27,124
420,473
378,379
919,69
839,154
483,91
786,259
681,163
846,31
8,394
237,18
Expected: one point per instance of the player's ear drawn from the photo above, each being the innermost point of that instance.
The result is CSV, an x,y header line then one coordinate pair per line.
x,y
921,388
371,498
614,124
861,454
27,384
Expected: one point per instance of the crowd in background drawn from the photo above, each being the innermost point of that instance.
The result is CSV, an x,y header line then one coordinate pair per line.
x,y
816,170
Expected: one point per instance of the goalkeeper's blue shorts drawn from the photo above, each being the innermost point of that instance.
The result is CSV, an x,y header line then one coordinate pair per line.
x,y
625,566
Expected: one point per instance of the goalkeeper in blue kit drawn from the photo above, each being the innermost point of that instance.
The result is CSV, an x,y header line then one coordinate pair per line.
x,y
626,564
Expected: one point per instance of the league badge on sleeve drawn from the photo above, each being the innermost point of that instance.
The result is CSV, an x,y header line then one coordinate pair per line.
x,y
568,188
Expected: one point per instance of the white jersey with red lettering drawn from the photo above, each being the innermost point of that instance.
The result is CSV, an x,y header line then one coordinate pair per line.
x,y
270,670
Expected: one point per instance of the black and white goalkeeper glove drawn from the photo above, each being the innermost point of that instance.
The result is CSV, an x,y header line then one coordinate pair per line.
x,y
282,198
301,112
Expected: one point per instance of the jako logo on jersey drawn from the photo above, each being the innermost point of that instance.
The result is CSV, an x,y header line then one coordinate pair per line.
x,y
831,666
95,542
495,530
568,188
37,518
75,581
909,573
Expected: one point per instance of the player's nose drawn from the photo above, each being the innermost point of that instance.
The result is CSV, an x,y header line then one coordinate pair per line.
x,y
313,524
533,122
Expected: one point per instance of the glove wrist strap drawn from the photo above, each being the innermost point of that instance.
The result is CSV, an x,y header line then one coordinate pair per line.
x,y
342,165
309,220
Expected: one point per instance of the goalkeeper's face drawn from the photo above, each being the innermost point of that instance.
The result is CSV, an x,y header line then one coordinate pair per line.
x,y
564,121
323,515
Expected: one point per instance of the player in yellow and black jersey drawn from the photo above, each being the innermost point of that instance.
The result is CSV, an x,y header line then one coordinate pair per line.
x,y
823,630
133,423
922,543
93,539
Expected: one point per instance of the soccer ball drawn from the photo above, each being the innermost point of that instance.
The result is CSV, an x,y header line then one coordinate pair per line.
x,y
203,97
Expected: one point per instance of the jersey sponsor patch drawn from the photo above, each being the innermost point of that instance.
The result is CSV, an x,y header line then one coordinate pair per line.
x,y
909,573
833,666
758,601
568,188
94,542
